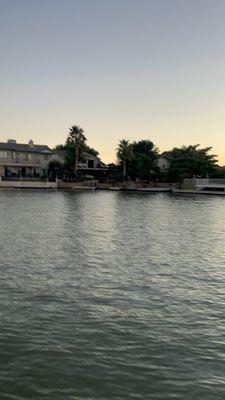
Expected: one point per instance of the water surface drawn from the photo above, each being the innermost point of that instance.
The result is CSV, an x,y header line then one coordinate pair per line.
x,y
109,295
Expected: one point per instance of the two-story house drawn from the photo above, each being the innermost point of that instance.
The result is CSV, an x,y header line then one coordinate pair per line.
x,y
92,166
89,165
24,160
89,161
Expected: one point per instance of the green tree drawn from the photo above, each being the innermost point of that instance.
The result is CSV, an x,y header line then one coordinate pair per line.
x,y
60,147
124,154
55,169
74,146
114,172
89,150
190,161
74,143
146,147
143,164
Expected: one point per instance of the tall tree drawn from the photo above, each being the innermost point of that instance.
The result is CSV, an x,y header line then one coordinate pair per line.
x,y
143,164
146,147
189,161
90,150
60,147
124,154
75,141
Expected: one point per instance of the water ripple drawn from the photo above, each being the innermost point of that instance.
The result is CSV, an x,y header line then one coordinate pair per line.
x,y
111,296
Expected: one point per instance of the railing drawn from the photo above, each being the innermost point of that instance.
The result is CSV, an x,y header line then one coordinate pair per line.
x,y
210,182
82,165
16,161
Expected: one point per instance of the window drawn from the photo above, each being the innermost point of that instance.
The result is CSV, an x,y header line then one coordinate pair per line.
x,y
3,154
24,156
90,163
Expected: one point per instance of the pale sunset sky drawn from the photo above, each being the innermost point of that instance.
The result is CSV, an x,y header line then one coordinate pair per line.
x,y
134,69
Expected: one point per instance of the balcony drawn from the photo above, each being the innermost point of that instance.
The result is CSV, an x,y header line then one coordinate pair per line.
x,y
18,161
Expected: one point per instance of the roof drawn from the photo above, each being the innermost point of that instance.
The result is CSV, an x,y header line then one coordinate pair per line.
x,y
35,148
88,156
60,153
165,154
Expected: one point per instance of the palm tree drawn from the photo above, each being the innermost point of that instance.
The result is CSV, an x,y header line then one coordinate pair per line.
x,y
76,139
124,153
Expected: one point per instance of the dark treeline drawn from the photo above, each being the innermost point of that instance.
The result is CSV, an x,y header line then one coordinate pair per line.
x,y
141,160
138,159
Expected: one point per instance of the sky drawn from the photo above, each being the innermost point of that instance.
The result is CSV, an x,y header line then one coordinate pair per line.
x,y
133,69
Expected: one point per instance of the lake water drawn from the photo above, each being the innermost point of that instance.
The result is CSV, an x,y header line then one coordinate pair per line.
x,y
109,295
